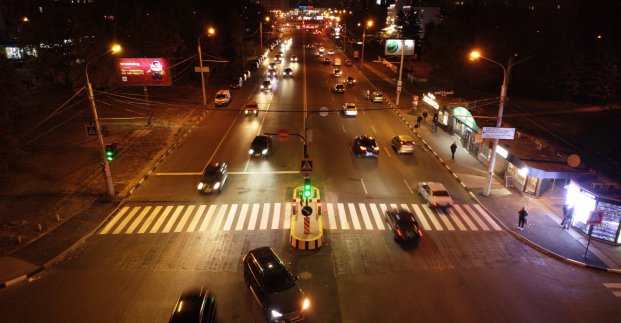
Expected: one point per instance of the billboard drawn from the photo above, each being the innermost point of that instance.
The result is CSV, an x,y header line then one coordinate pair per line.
x,y
393,47
143,72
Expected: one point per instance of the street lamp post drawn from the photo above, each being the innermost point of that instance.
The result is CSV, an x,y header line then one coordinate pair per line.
x,y
210,32
474,55
267,19
369,24
105,165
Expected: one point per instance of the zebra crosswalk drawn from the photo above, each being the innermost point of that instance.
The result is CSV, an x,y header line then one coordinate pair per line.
x,y
151,219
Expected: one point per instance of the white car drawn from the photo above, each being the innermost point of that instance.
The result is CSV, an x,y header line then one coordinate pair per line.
x,y
435,194
349,109
330,52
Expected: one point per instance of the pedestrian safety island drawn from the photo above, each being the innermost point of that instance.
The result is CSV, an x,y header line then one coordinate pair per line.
x,y
306,224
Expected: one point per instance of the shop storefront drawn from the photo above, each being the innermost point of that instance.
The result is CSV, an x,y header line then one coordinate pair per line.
x,y
463,125
587,194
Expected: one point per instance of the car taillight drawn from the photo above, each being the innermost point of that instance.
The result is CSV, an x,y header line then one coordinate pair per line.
x,y
399,232
419,231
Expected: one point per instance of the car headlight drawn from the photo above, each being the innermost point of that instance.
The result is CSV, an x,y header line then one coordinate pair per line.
x,y
376,148
251,151
264,152
363,148
216,185
200,186
276,314
305,304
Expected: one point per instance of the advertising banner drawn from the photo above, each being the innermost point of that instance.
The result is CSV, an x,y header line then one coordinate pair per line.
x,y
393,47
143,72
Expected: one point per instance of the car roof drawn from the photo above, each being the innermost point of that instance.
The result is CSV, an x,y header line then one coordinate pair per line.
x,y
189,305
252,103
435,186
223,92
405,138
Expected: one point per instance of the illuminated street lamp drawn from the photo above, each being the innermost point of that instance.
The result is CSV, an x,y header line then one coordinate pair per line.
x,y
369,24
475,55
106,167
267,19
210,32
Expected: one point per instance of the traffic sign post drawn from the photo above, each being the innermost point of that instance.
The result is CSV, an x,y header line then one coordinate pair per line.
x,y
306,166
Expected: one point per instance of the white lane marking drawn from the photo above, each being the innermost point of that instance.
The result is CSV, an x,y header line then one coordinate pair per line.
x,y
373,128
242,217
137,221
354,216
331,217
377,217
207,220
253,216
185,218
150,219
476,217
265,216
342,216
197,217
363,187
365,216
114,220
278,172
219,217
126,220
488,218
455,219
161,219
432,216
276,216
229,218
387,151
172,219
446,221
421,217
465,217
287,221
612,285
343,127
408,186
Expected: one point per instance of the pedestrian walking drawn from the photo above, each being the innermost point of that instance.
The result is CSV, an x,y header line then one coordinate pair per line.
x,y
569,219
418,121
453,150
565,209
522,215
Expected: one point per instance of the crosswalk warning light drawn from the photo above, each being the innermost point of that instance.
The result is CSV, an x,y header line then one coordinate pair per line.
x,y
308,190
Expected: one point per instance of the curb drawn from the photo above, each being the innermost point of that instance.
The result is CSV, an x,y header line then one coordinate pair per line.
x,y
530,243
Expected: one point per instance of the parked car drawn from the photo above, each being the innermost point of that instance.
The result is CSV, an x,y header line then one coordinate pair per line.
x,y
435,194
213,178
365,146
349,109
403,144
195,305
274,287
260,146
251,108
403,225
237,83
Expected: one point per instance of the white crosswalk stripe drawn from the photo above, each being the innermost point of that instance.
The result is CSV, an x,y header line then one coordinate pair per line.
x,y
615,288
141,219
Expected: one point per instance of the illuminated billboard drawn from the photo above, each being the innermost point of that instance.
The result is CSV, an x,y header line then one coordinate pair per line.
x,y
143,72
393,47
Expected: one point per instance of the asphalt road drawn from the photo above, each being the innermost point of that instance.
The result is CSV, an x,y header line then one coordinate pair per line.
x,y
167,237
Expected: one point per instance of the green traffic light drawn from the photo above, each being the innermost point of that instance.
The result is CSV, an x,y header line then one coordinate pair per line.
x,y
307,193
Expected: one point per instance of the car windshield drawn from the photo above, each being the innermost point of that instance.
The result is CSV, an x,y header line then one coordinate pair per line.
x,y
339,86
221,96
210,171
365,141
440,193
266,83
278,281
251,106
405,219
377,94
260,140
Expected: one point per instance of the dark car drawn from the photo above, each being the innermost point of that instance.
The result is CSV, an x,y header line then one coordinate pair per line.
x,y
213,178
274,286
195,305
403,225
365,146
351,80
287,72
237,83
261,146
338,88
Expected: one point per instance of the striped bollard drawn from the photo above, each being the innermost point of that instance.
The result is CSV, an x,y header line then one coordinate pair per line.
x,y
306,225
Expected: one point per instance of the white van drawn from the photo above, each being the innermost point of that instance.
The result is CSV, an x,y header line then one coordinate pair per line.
x,y
223,97
337,62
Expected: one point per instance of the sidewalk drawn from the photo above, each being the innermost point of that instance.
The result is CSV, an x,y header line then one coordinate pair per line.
x,y
543,231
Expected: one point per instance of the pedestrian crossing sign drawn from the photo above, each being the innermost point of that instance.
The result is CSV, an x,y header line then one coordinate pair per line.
x,y
306,166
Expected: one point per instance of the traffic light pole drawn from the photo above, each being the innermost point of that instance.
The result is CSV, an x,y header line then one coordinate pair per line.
x,y
102,148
